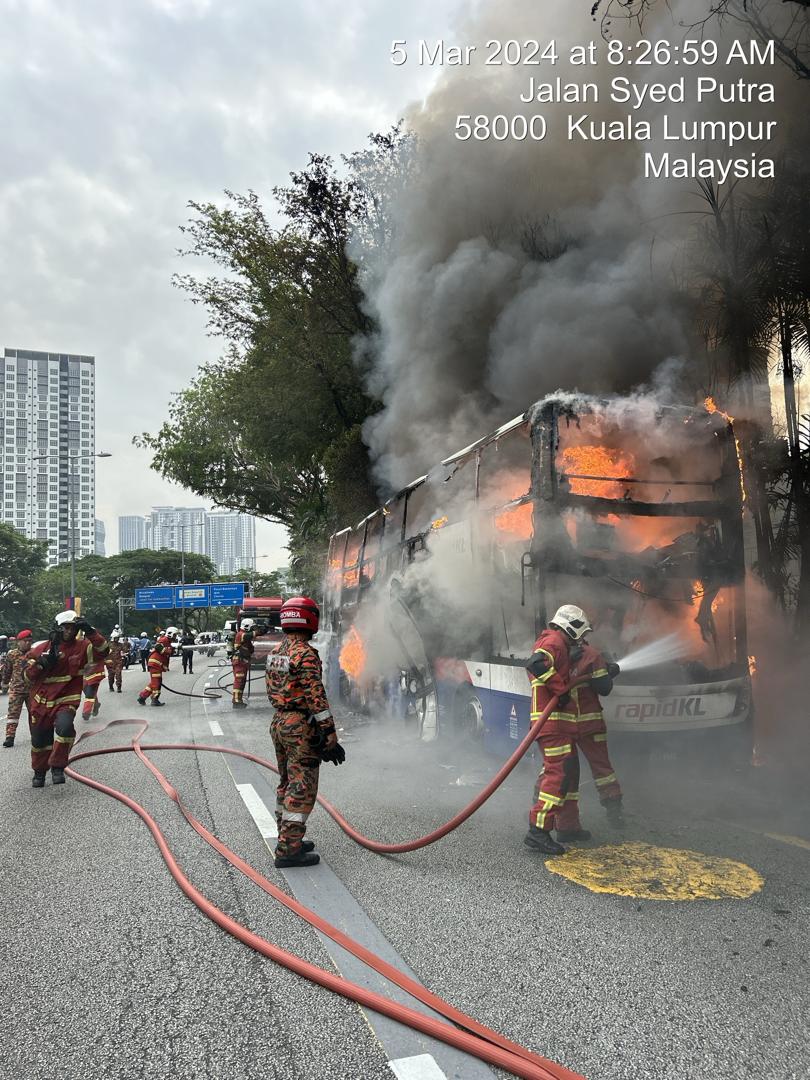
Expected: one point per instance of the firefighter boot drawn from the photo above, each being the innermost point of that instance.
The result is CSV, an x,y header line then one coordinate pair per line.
x,y
57,775
157,702
300,858
615,814
307,845
9,741
141,701
38,779
541,840
571,836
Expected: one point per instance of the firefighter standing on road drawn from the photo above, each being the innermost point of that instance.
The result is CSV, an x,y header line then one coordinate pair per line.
x,y
119,650
302,729
14,678
552,671
187,651
240,661
53,671
157,663
93,678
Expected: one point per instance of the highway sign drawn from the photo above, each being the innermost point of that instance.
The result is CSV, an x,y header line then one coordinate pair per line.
x,y
230,595
160,597
191,596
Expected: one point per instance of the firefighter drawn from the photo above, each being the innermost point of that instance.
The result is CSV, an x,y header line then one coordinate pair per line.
x,y
14,679
549,670
53,671
302,729
242,650
591,679
116,660
157,663
93,678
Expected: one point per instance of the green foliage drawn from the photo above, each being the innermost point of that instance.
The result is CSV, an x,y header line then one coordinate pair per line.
x,y
20,561
273,428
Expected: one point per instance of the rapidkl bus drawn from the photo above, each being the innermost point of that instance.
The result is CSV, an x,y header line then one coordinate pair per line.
x,y
631,510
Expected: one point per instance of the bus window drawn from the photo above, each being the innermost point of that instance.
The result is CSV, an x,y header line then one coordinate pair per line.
x,y
351,571
422,509
505,470
371,553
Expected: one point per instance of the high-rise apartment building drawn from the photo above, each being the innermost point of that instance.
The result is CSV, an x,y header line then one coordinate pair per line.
x,y
47,406
101,538
131,533
231,541
227,538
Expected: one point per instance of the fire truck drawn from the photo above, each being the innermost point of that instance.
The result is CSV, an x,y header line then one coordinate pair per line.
x,y
630,509
264,610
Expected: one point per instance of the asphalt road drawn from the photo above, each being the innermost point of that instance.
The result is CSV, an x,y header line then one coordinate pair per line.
x,y
109,971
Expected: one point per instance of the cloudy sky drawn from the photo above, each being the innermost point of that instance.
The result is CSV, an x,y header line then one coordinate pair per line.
x,y
114,114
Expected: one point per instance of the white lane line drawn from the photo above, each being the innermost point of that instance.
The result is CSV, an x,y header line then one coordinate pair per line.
x,y
215,728
265,821
421,1067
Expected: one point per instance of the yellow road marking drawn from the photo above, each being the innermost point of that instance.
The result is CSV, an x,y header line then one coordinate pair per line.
x,y
655,873
795,840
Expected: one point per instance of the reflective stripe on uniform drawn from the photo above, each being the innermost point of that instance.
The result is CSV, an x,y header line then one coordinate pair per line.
x,y
588,717
601,737
69,740
68,699
572,797
57,678
611,779
600,674
556,751
325,714
538,680
553,800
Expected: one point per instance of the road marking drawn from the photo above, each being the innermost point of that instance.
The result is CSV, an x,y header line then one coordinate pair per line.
x,y
796,841
265,821
421,1067
215,728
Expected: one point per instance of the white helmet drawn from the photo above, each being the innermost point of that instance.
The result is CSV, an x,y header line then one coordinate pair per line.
x,y
171,631
248,624
66,618
144,633
572,620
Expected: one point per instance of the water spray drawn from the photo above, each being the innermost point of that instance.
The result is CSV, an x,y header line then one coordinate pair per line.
x,y
672,647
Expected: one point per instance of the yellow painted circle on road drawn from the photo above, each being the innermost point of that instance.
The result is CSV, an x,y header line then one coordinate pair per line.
x,y
656,873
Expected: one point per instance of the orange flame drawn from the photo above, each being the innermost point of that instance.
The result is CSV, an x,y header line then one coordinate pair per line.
x,y
710,407
752,665
516,522
353,654
597,461
439,523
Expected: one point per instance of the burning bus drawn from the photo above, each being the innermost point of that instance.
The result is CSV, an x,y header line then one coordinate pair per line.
x,y
630,509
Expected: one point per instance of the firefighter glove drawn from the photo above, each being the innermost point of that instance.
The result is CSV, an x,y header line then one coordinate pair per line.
x,y
337,755
564,700
83,624
613,669
47,661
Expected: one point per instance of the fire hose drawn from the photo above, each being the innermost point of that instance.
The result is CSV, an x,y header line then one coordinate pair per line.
x,y
473,1038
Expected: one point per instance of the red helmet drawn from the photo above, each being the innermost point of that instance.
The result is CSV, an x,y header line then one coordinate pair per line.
x,y
23,634
300,613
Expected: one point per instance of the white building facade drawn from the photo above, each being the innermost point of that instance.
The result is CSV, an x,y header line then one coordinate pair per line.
x,y
131,533
47,406
231,541
226,537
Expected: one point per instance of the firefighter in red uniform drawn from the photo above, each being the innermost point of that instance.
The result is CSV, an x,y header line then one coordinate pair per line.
x,y
157,663
551,671
93,678
53,671
13,676
591,678
240,661
302,729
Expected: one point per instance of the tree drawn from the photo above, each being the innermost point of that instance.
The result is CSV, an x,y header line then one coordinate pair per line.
x,y
273,429
20,561
785,22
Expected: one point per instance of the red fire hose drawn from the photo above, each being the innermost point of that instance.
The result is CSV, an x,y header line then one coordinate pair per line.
x,y
475,1039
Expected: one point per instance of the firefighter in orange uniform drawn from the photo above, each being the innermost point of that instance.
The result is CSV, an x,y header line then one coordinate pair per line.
x,y
157,663
53,672
302,729
119,651
93,678
14,678
558,653
240,661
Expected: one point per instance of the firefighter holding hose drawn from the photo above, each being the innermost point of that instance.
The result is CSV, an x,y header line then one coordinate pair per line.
x,y
302,728
240,661
157,663
563,665
53,672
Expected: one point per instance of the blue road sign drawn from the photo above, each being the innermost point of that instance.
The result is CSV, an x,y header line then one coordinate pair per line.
x,y
230,595
149,599
191,596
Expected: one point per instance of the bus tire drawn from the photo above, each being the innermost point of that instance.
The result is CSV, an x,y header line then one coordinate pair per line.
x,y
468,715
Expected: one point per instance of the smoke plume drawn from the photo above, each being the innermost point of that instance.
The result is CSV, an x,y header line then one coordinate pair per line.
x,y
517,268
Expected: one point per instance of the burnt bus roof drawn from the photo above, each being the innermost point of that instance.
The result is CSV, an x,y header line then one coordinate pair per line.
x,y
571,403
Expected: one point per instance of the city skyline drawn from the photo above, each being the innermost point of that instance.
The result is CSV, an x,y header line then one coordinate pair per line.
x,y
227,537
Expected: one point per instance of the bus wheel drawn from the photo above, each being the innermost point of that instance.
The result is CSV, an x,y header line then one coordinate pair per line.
x,y
468,715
